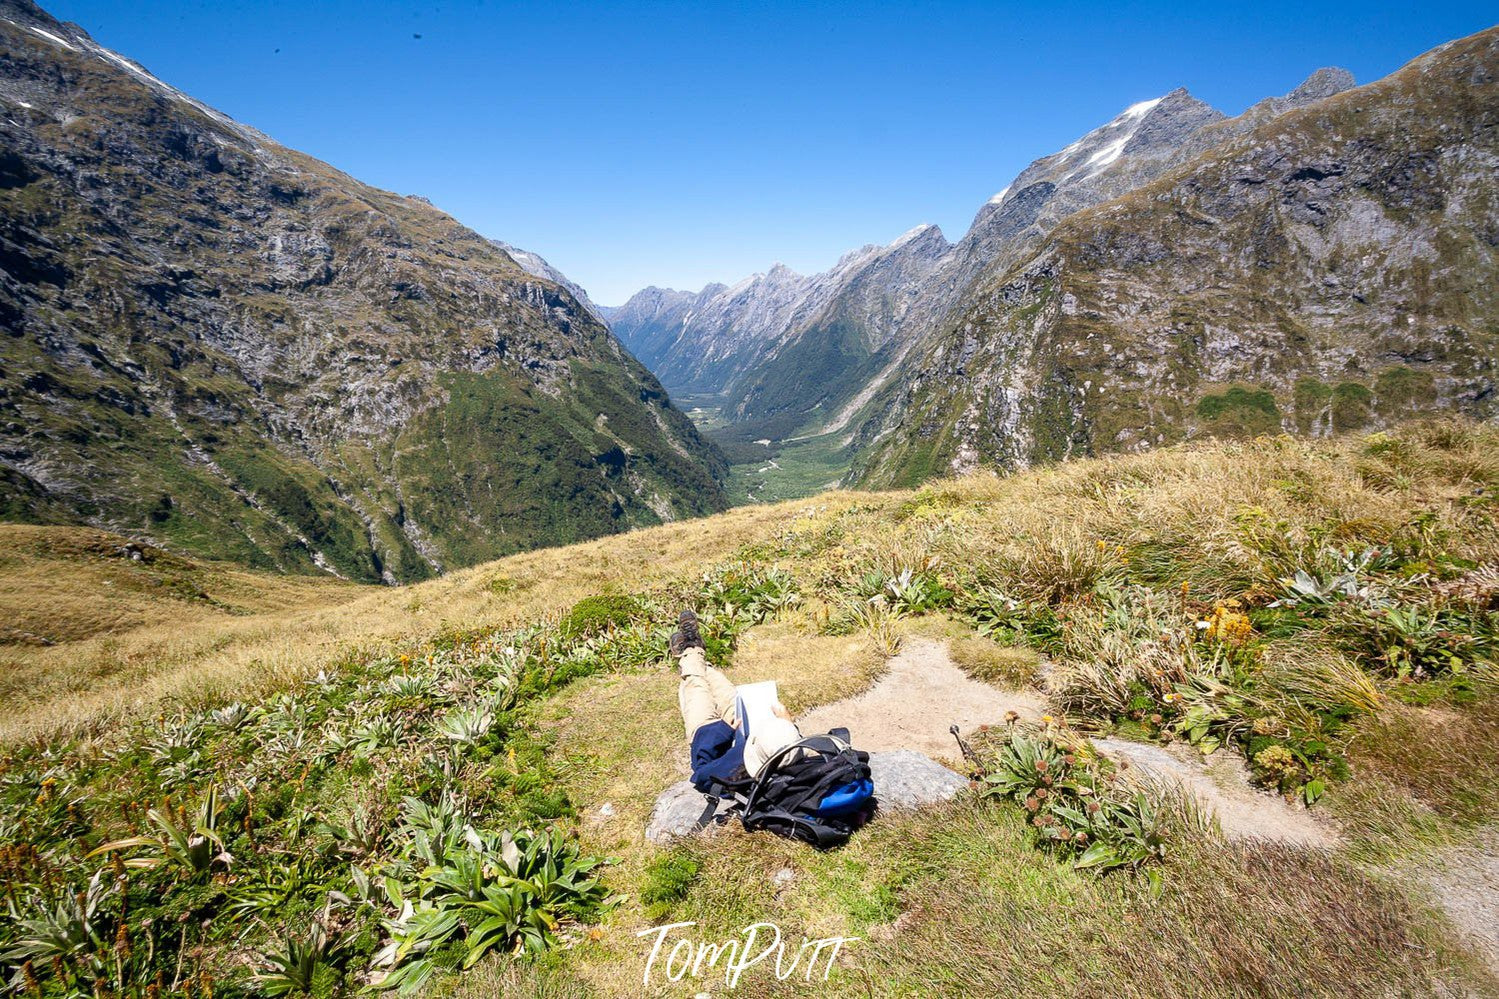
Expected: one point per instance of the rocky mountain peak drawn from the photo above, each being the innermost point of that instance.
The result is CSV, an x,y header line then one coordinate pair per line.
x,y
537,266
1170,120
923,240
29,15
1324,82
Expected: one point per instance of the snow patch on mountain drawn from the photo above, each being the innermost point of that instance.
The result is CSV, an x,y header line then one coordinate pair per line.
x,y
910,234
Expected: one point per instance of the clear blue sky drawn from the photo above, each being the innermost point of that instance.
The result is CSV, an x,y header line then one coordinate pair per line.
x,y
675,144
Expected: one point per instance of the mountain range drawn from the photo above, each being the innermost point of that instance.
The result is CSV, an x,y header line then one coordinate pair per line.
x,y
925,357
220,345
225,346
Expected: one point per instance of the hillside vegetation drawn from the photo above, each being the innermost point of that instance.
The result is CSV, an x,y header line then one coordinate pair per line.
x,y
234,350
416,787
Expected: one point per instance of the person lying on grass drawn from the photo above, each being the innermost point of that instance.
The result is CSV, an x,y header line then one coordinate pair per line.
x,y
707,699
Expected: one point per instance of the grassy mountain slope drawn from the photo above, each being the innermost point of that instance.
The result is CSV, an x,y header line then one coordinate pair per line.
x,y
1385,546
220,345
1333,269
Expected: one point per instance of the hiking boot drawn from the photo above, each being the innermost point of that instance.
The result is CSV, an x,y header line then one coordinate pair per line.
x,y
687,628
678,644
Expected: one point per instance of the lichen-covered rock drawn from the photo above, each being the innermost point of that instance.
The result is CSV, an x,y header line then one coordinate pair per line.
x,y
681,810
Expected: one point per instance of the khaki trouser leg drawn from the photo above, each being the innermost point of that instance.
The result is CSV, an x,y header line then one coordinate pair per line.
x,y
705,695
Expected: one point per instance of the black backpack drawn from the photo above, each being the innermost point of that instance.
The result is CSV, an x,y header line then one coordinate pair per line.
x,y
817,790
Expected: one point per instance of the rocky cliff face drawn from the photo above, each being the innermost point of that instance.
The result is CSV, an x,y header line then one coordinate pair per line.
x,y
535,264
227,347
1331,264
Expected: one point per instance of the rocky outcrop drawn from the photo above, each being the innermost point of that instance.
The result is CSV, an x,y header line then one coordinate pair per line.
x,y
536,264
221,345
681,811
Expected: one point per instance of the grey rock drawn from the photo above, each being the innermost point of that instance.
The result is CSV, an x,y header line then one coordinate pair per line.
x,y
679,812
1324,82
906,779
537,265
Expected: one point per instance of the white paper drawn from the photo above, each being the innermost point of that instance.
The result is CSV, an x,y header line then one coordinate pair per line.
x,y
757,703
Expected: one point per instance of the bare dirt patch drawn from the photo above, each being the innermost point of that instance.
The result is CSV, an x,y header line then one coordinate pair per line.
x,y
1464,881
922,694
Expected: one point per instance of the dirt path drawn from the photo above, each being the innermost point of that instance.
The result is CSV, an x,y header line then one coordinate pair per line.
x,y
924,693
1464,882
1221,783
915,703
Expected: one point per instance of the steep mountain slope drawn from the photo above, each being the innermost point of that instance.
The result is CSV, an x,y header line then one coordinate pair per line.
x,y
226,347
1140,144
811,368
537,265
1333,267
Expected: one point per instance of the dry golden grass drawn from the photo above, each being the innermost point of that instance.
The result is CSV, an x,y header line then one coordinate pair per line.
x,y
988,916
1181,512
980,910
1424,773
996,664
61,585
198,657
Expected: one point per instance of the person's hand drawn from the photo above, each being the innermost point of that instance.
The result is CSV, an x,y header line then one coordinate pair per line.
x,y
780,711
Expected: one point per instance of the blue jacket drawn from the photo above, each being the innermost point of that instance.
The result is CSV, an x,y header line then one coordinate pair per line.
x,y
717,754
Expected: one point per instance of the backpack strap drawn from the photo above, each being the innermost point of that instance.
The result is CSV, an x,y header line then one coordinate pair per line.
x,y
820,833
709,811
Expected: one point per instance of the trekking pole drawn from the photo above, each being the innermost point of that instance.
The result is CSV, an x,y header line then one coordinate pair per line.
x,y
977,767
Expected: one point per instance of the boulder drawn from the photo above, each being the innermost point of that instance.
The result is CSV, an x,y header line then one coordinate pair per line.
x,y
903,779
682,810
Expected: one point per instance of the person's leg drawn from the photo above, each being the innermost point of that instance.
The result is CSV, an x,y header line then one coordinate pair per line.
x,y
705,695
696,701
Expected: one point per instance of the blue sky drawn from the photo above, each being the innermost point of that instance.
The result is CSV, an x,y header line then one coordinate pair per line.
x,y
676,144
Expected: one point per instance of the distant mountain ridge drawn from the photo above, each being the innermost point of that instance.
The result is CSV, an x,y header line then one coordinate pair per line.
x,y
815,368
224,346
